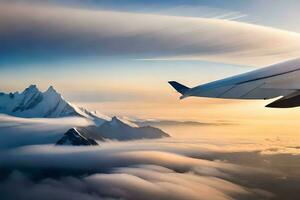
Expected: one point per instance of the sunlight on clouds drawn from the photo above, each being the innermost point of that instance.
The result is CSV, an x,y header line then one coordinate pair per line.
x,y
179,167
248,117
138,35
164,169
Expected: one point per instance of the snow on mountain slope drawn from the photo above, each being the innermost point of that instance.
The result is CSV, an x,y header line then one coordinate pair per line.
x,y
32,103
116,129
16,131
30,118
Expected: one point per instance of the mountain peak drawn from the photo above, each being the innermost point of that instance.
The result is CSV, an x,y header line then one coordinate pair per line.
x,y
31,88
32,103
114,118
117,129
51,90
115,121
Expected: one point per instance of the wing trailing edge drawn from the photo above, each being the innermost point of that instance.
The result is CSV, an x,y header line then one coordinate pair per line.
x,y
278,80
289,101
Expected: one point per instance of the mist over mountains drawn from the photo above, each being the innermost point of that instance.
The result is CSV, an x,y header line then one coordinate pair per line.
x,y
32,103
161,168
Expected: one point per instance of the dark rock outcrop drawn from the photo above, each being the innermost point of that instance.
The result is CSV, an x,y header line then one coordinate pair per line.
x,y
74,137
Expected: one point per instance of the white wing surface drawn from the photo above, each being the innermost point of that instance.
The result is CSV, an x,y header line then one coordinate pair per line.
x,y
282,79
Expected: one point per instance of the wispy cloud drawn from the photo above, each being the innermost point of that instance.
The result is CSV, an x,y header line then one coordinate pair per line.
x,y
50,32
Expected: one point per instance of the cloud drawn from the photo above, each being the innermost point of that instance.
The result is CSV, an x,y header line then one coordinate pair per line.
x,y
117,173
50,32
204,168
16,131
178,123
127,183
161,169
67,188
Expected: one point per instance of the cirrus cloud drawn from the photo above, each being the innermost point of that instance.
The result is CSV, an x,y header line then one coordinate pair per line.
x,y
44,31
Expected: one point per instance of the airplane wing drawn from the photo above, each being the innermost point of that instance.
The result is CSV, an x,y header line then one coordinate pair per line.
x,y
282,79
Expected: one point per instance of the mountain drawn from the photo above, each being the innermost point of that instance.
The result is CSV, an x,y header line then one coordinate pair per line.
x,y
32,103
116,129
73,137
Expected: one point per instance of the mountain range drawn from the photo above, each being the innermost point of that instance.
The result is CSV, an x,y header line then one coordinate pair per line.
x,y
116,129
32,103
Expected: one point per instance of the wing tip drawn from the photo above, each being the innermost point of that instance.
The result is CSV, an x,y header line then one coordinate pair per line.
x,y
179,87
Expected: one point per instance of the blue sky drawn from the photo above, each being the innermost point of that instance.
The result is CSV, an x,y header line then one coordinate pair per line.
x,y
110,51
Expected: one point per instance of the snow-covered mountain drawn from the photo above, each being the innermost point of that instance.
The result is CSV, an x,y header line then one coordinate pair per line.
x,y
116,129
32,103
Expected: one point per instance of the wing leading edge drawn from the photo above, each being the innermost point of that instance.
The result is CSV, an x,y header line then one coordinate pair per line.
x,y
282,79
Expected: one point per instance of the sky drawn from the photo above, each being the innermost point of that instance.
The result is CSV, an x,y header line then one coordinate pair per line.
x,y
117,56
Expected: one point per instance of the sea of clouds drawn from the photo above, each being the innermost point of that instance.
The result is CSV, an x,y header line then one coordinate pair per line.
x,y
208,168
152,169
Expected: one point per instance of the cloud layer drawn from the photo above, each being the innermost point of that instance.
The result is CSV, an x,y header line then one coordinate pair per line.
x,y
126,175
162,123
16,131
41,32
161,169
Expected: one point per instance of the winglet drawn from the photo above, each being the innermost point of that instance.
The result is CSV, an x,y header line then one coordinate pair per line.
x,y
179,87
